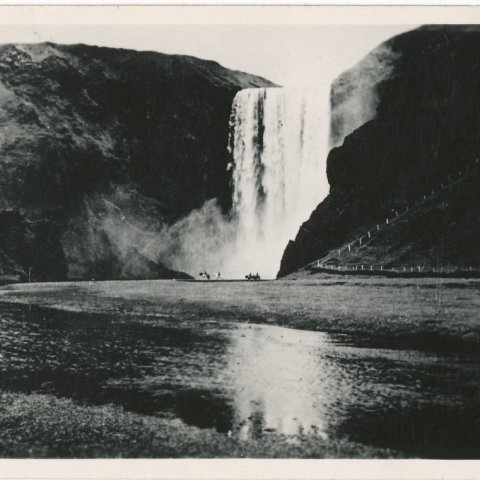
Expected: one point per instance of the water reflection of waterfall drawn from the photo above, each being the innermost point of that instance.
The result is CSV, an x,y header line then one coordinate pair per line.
x,y
278,141
281,381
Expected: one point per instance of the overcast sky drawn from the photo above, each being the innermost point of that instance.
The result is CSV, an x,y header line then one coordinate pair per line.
x,y
287,55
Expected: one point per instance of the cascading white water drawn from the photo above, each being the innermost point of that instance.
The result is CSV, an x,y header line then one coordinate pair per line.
x,y
278,140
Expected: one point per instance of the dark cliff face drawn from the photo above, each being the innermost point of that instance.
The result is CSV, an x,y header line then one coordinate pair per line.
x,y
422,127
85,131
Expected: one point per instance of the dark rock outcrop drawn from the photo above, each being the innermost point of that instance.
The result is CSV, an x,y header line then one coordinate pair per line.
x,y
421,128
30,249
80,122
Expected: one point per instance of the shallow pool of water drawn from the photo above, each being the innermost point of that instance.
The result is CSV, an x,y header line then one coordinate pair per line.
x,y
247,380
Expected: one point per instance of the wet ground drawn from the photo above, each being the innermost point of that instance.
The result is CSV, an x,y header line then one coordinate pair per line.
x,y
405,376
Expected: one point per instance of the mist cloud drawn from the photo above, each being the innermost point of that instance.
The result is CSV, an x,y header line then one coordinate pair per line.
x,y
125,228
354,98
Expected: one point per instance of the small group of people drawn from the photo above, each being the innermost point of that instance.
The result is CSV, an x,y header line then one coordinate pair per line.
x,y
218,276
206,276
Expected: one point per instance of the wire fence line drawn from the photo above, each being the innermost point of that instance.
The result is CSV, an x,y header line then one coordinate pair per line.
x,y
379,228
410,269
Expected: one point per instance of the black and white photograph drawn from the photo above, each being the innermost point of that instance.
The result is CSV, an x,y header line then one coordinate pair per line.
x,y
240,240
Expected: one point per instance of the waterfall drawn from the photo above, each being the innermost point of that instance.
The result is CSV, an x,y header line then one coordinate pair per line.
x,y
278,141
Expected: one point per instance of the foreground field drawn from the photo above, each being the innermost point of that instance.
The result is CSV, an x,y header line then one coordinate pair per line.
x,y
334,367
431,314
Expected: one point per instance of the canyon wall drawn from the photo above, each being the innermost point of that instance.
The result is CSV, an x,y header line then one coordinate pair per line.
x,y
101,146
398,141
